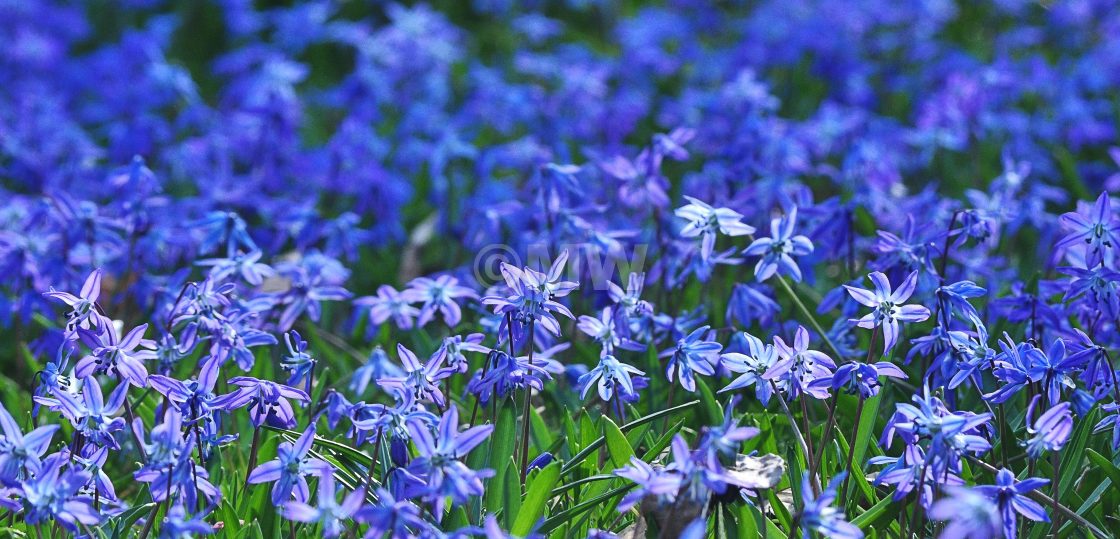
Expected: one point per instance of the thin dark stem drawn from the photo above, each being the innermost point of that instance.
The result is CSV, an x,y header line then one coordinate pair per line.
x,y
1046,500
526,412
851,450
809,442
253,448
1056,463
796,431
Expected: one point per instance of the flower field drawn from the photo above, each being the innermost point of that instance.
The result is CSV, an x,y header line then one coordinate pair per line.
x,y
569,269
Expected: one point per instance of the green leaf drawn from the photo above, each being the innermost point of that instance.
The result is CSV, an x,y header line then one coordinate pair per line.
x,y
1074,452
589,448
866,429
751,520
536,500
511,492
564,516
500,447
617,445
870,518
713,413
1106,466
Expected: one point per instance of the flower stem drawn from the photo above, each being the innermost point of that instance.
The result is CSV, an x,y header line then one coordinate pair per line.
x,y
1046,500
851,450
796,432
526,411
812,319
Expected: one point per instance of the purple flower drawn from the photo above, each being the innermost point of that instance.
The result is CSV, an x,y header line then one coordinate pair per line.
x,y
92,415
390,304
84,312
1051,430
798,367
267,401
888,306
288,470
970,515
778,250
507,374
692,354
421,380
819,516
439,462
390,517
1011,498
329,514
1054,370
55,494
610,374
707,222
298,361
863,378
533,295
451,351
1097,229
658,482
18,451
753,365
604,332
439,294
727,437
245,265
115,356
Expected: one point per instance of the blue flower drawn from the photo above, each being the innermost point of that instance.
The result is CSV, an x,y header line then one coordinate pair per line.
x,y
888,306
707,222
298,361
508,374
439,295
658,482
798,367
55,494
604,332
692,354
1050,431
753,365
970,515
1097,230
390,517
225,229
1011,498
329,514
778,250
533,296
727,437
421,380
390,304
439,462
451,350
112,355
91,416
84,311
863,378
267,401
819,515
610,375
1054,370
288,470
178,525
18,451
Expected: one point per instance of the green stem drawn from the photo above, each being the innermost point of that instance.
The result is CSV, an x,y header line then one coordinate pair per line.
x,y
809,315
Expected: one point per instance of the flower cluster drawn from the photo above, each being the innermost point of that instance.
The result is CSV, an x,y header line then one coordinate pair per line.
x,y
249,286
